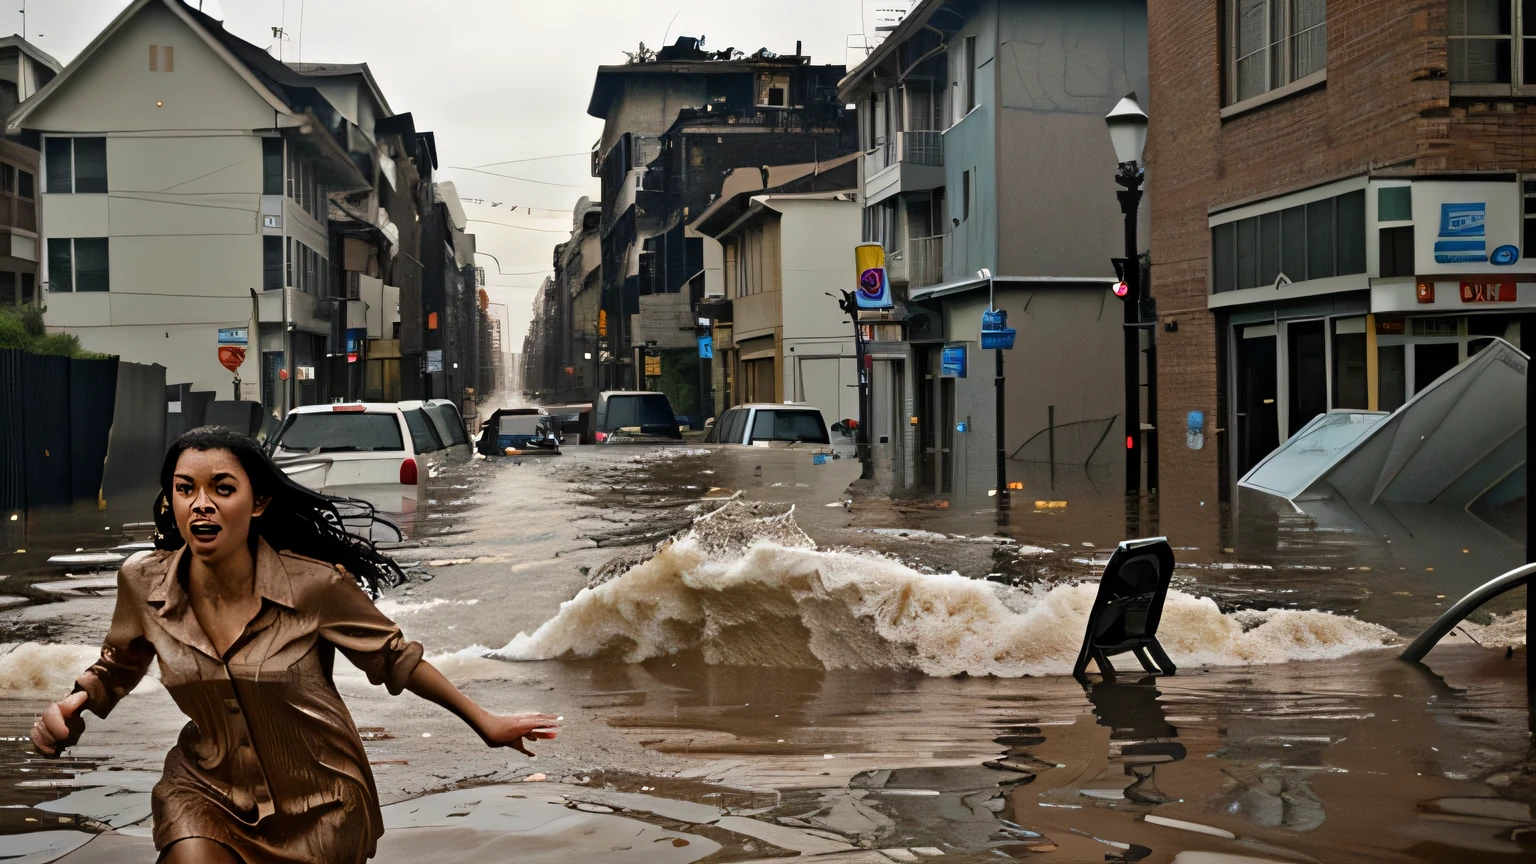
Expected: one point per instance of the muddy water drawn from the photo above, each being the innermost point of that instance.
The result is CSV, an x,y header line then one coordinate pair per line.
x,y
855,677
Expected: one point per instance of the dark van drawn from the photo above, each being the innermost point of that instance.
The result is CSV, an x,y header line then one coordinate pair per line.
x,y
633,416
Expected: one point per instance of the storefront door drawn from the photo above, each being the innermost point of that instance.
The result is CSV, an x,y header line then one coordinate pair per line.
x,y
1258,409
1306,373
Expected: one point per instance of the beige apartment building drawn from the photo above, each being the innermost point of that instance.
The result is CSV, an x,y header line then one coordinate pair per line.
x,y
778,336
185,190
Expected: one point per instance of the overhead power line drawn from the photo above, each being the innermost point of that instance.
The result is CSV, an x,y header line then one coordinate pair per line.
x,y
522,227
535,159
510,177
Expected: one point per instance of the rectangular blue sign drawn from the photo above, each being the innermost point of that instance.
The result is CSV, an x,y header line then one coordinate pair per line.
x,y
707,347
952,362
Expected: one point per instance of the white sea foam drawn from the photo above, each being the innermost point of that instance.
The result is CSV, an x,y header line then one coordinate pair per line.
x,y
32,667
394,607
768,603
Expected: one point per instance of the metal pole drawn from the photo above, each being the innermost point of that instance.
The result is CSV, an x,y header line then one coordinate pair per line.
x,y
1002,449
1130,200
1528,344
1050,433
1151,441
861,436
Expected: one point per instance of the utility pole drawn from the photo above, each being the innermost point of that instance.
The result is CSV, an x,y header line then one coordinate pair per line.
x,y
1528,345
1130,177
850,306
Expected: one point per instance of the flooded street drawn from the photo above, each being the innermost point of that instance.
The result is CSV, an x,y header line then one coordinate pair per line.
x,y
804,670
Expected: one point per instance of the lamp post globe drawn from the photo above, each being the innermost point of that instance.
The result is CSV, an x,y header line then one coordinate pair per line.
x,y
1127,123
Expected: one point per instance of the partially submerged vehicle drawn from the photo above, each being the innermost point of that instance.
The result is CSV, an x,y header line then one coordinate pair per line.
x,y
519,432
634,417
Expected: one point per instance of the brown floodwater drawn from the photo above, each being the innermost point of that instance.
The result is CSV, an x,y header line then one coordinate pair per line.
x,y
855,676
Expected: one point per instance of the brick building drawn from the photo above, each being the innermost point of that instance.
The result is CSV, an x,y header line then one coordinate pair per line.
x,y
1339,215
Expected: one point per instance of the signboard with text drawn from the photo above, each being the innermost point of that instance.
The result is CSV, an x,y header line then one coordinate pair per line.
x,y
1488,292
1467,228
952,361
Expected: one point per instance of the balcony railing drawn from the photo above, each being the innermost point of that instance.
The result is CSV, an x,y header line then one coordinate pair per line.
x,y
918,147
926,260
921,146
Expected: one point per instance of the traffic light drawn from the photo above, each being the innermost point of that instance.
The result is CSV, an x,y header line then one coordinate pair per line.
x,y
1122,288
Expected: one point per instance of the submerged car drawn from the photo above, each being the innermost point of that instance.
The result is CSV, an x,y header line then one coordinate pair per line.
x,y
519,431
767,424
367,443
634,417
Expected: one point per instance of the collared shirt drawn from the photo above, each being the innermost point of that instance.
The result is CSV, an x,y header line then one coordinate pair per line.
x,y
269,733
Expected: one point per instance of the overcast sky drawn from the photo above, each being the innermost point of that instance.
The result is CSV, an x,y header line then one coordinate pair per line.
x,y
496,80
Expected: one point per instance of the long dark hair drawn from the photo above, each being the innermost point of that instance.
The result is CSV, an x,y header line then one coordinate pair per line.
x,y
297,520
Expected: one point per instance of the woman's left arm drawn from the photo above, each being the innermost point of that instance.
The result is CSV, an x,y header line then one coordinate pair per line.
x,y
496,730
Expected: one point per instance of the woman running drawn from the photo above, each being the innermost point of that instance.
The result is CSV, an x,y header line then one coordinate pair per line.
x,y
252,589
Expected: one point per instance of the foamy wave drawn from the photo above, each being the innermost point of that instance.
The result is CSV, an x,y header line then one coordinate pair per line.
x,y
33,667
392,607
799,607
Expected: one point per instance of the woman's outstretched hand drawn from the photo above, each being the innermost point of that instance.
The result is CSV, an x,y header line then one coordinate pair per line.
x,y
61,725
513,729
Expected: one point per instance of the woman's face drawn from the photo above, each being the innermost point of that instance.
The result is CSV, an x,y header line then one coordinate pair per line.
x,y
212,498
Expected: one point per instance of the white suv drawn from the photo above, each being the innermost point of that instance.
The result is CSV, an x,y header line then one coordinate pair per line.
x,y
335,448
768,425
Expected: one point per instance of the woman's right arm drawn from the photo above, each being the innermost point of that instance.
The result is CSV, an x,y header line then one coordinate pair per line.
x,y
125,657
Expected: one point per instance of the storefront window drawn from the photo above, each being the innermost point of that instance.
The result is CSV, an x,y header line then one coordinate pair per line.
x,y
1309,241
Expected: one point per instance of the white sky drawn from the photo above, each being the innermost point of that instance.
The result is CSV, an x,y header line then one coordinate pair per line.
x,y
495,80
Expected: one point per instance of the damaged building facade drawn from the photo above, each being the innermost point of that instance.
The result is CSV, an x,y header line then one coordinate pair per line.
x,y
675,122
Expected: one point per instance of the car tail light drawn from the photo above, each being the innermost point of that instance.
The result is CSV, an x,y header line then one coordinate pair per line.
x,y
601,437
349,408
408,472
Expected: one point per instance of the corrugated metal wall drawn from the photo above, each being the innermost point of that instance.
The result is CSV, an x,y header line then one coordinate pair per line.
x,y
61,420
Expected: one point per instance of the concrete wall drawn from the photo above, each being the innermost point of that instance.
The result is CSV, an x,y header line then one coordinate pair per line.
x,y
1060,68
648,104
1066,355
817,239
970,144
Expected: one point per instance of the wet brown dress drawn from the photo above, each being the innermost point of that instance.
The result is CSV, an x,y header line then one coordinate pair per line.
x,y
271,765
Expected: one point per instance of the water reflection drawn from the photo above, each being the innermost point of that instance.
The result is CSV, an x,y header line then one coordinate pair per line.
x,y
1140,736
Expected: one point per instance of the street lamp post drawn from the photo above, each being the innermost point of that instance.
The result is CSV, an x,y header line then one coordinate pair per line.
x,y
1128,133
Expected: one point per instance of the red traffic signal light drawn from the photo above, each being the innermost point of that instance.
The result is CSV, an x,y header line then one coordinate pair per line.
x,y
1121,289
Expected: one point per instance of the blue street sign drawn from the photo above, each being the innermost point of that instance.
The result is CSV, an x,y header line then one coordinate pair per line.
x,y
706,347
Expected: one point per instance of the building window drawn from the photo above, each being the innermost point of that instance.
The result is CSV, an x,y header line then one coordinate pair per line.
x,y
28,288
272,263
7,289
288,263
77,264
1492,42
1272,43
965,196
1397,251
1309,241
162,58
76,164
1528,209
271,166
970,73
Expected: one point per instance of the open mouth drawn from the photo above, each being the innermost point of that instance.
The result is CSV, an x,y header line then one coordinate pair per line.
x,y
205,530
